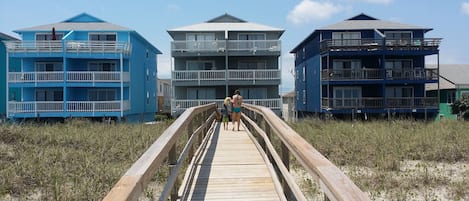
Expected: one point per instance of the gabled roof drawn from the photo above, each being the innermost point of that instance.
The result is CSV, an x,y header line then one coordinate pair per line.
x,y
225,22
453,75
225,18
6,37
82,21
363,22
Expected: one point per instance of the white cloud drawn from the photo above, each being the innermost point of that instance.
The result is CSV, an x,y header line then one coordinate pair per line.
x,y
377,1
310,10
465,8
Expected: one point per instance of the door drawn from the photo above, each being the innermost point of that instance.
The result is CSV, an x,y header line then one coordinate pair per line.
x,y
200,41
347,97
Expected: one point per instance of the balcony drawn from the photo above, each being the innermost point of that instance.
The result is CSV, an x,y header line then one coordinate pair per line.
x,y
378,74
413,102
370,44
34,107
274,103
219,47
355,74
84,46
34,46
72,76
377,103
352,103
71,46
247,76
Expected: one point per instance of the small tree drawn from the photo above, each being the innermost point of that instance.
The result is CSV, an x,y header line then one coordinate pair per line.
x,y
461,108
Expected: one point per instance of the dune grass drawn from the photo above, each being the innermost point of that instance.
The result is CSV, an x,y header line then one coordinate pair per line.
x,y
76,160
397,158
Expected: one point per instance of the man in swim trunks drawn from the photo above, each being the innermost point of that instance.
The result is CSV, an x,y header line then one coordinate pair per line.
x,y
237,101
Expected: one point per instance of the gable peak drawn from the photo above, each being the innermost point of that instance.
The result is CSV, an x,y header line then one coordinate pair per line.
x,y
362,16
84,17
226,18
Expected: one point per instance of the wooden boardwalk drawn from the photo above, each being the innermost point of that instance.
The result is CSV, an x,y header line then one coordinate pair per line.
x,y
230,168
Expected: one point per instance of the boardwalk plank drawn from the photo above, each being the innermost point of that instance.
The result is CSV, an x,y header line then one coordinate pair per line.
x,y
231,169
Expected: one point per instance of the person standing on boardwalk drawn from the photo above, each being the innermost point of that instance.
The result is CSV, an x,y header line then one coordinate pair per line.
x,y
237,100
226,112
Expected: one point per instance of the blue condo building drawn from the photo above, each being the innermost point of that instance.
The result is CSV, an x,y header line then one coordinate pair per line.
x,y
365,67
81,67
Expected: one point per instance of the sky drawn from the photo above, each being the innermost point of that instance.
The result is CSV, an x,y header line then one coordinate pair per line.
x,y
299,18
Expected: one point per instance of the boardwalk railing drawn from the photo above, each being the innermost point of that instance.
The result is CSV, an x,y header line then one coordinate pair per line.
x,y
267,126
196,121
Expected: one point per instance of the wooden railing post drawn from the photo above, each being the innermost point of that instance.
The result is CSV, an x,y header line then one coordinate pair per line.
x,y
286,161
172,161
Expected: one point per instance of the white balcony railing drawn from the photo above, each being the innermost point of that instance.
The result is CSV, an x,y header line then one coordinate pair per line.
x,y
274,103
85,46
221,46
25,77
72,106
73,76
73,46
35,106
97,76
34,46
206,75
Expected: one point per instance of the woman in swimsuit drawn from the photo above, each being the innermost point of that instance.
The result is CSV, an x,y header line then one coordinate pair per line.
x,y
237,101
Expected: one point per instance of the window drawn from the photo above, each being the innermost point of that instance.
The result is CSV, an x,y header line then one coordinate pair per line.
x,y
399,68
101,66
252,65
450,97
49,95
200,65
346,68
102,94
253,93
251,36
347,96
346,38
304,97
102,37
48,66
399,92
398,38
48,36
201,93
304,73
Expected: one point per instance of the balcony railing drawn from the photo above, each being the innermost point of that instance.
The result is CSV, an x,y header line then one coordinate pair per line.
x,y
207,75
377,74
370,44
370,103
72,106
25,77
73,46
221,46
412,102
355,74
274,103
84,46
97,76
34,46
73,76
351,103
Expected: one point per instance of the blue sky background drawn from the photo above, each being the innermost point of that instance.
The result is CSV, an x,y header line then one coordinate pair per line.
x,y
151,18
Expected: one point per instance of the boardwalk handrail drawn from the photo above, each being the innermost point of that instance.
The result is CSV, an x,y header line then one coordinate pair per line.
x,y
194,120
332,181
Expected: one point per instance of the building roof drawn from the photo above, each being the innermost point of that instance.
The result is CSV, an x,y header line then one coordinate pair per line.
x,y
82,21
451,76
362,22
226,22
6,37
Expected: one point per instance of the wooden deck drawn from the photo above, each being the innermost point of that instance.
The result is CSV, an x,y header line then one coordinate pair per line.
x,y
230,168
